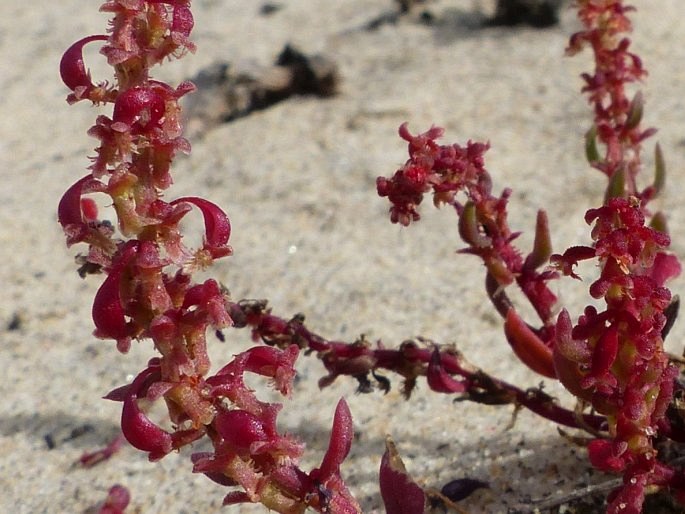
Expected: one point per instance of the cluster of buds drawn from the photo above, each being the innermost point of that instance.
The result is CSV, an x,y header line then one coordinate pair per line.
x,y
614,359
456,176
149,293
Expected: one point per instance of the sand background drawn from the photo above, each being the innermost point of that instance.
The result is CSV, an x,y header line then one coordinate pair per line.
x,y
310,234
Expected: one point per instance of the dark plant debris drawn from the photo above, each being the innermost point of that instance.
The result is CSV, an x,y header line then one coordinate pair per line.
x,y
461,488
404,8
15,322
226,92
58,437
536,13
269,8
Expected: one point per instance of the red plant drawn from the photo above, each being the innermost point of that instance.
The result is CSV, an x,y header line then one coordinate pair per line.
x,y
149,293
611,359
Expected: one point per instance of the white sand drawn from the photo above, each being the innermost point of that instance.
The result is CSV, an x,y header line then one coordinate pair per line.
x,y
301,176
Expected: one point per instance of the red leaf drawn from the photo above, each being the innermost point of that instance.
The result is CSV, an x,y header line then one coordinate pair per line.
x,y
527,346
71,67
137,428
401,495
108,313
117,500
339,444
70,211
217,225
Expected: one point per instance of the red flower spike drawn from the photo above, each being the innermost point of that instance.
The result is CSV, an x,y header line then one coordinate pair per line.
x,y
527,346
149,291
401,495
73,70
439,380
338,446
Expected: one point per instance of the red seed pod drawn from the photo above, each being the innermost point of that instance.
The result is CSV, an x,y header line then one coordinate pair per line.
x,y
142,433
141,105
203,462
240,428
569,355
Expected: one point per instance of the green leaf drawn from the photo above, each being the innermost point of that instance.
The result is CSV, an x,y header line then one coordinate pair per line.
x,y
635,111
659,170
591,152
616,186
542,245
